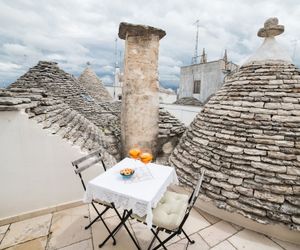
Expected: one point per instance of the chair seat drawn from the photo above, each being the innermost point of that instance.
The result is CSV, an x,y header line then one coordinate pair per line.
x,y
169,211
104,203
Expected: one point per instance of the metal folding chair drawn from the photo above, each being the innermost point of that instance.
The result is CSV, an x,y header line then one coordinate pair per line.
x,y
171,214
85,163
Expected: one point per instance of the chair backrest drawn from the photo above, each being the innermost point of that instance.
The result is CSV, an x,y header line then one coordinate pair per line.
x,y
193,199
196,191
85,162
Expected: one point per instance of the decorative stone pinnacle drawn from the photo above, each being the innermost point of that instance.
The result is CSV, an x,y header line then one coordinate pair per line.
x,y
138,30
271,28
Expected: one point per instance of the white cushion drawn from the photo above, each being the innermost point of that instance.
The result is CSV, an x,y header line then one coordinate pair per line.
x,y
170,210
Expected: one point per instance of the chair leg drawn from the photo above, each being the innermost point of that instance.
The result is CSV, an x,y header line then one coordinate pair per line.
x,y
92,222
153,239
161,243
104,223
190,241
97,218
122,223
123,216
127,229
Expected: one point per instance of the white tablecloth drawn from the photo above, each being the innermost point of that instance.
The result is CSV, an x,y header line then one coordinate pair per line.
x,y
141,192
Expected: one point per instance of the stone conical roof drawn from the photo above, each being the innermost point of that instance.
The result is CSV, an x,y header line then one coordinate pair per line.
x,y
59,84
94,85
188,101
57,117
56,83
247,138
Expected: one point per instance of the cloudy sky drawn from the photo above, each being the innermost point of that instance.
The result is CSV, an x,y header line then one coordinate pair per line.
x,y
73,32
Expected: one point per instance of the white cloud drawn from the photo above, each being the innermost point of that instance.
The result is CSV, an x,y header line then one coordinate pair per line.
x,y
73,32
8,66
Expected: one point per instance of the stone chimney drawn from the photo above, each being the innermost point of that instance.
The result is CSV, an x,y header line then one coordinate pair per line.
x,y
140,100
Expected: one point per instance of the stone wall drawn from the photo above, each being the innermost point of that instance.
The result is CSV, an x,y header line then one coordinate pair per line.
x,y
247,139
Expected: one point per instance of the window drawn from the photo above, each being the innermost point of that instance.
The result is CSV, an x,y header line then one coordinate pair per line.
x,y
197,87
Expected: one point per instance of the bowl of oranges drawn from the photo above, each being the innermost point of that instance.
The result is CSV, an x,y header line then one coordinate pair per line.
x,y
127,172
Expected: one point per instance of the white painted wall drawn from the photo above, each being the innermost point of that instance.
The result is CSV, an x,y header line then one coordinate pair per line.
x,y
114,91
163,97
211,76
185,114
35,170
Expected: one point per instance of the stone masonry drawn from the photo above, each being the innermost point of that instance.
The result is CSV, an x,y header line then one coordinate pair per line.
x,y
140,99
94,85
247,139
57,117
72,98
48,77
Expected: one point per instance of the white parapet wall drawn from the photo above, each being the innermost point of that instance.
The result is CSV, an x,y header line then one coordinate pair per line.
x,y
36,170
184,113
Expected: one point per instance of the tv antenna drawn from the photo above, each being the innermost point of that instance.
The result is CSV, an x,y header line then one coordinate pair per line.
x,y
116,66
195,57
116,53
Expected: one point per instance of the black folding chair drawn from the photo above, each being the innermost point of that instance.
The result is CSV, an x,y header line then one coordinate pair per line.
x,y
171,214
86,162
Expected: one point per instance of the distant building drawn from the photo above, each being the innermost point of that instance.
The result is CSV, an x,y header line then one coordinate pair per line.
x,y
204,79
115,90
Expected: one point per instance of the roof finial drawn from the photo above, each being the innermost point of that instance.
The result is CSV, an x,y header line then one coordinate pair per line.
x,y
271,28
88,64
270,50
225,58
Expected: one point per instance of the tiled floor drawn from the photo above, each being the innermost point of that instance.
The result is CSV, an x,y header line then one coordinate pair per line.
x,y
64,230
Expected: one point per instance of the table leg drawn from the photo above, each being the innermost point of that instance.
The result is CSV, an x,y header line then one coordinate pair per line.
x,y
123,219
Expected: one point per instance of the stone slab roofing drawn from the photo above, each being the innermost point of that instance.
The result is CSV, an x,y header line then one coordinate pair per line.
x,y
49,78
94,85
56,117
191,101
170,129
247,138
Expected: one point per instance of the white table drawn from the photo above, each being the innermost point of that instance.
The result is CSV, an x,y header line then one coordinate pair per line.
x,y
139,194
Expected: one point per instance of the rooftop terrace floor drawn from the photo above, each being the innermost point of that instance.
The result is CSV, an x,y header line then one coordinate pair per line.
x,y
64,230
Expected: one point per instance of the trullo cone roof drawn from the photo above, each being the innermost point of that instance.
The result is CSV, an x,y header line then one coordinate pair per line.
x,y
94,85
247,138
